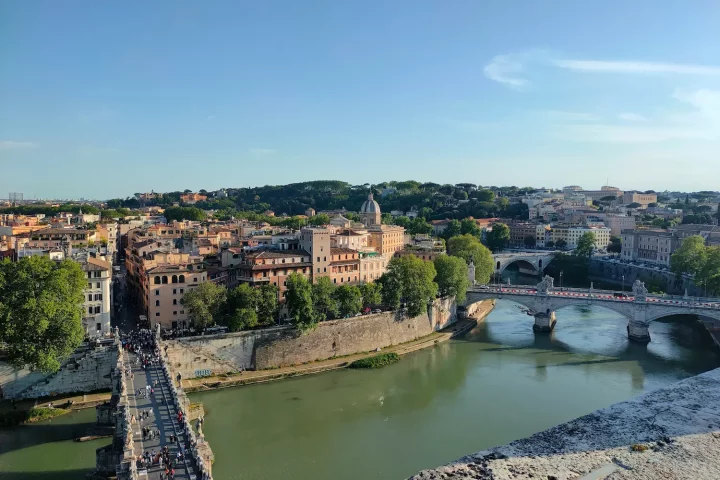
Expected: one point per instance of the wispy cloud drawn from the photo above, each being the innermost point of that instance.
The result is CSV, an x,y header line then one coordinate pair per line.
x,y
262,151
696,117
631,117
635,67
505,69
13,145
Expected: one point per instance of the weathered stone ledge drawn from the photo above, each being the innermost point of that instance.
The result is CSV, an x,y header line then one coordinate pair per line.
x,y
670,433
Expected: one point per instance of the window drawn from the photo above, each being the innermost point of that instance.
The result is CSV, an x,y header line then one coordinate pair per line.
x,y
174,291
157,303
89,273
174,301
89,285
90,298
194,279
164,279
157,314
97,284
182,280
97,309
98,327
174,279
98,274
182,312
182,290
318,259
175,312
90,310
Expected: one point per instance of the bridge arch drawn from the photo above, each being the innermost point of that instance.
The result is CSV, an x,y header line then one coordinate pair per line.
x,y
700,312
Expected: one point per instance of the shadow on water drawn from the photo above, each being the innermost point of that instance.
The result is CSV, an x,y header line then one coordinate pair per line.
x,y
26,436
49,475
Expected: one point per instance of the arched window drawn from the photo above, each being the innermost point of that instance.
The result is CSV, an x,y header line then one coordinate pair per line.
x,y
182,278
164,279
157,280
157,303
174,279
498,266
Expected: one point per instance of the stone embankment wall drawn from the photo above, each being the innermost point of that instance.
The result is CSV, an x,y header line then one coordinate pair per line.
x,y
613,273
672,432
88,369
283,346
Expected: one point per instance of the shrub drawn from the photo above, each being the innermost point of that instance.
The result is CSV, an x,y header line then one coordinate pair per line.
x,y
376,361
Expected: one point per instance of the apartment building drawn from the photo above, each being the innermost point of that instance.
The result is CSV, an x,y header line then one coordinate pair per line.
x,y
618,223
372,266
571,234
344,265
316,241
519,231
654,246
273,267
386,239
642,198
97,307
164,285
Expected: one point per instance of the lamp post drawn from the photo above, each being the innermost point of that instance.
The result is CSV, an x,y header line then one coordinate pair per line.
x,y
623,284
561,283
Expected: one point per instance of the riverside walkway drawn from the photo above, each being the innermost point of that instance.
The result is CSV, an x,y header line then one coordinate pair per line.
x,y
159,413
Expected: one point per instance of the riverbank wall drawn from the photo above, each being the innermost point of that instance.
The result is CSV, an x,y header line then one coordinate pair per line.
x,y
88,369
279,347
672,432
608,272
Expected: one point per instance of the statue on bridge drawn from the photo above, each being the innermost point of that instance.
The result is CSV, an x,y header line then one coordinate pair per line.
x,y
639,290
546,285
471,271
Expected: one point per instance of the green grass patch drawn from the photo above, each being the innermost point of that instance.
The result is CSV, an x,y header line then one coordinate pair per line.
x,y
18,417
376,361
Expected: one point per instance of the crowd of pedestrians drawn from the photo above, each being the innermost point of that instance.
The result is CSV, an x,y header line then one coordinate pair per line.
x,y
148,356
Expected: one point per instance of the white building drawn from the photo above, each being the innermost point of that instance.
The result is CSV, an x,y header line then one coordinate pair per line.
x,y
97,306
571,235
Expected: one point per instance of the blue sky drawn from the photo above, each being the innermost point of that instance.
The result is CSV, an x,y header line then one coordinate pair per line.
x,y
104,99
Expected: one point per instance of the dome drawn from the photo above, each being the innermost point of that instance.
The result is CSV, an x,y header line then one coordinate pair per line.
x,y
370,205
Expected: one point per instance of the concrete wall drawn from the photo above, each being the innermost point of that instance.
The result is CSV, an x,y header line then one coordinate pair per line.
x,y
277,347
613,272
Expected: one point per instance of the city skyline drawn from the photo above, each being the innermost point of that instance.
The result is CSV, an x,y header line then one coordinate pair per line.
x,y
106,101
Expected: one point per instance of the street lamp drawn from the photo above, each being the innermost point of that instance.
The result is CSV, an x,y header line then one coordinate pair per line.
x,y
561,285
623,283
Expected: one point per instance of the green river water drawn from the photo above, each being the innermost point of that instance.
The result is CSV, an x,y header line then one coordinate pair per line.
x,y
498,383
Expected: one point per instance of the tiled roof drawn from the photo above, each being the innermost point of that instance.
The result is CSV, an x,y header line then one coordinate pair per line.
x,y
278,254
97,264
340,251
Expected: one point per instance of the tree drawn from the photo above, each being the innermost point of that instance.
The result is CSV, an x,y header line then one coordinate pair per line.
x,y
319,219
241,297
615,244
690,257
468,247
413,279
561,244
452,230
709,274
40,311
241,319
371,294
324,302
452,276
267,304
634,205
529,241
469,226
349,300
300,302
391,290
205,304
585,245
184,213
499,237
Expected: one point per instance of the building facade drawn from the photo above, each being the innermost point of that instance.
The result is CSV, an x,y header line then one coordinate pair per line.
x,y
653,246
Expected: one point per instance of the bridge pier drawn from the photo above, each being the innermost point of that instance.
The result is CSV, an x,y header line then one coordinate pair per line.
x,y
544,322
638,332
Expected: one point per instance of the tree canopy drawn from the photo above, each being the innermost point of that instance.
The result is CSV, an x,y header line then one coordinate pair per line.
x,y
409,279
205,303
468,247
452,276
499,237
585,245
300,302
40,311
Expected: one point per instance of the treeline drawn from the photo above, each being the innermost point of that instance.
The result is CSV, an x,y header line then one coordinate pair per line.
x,y
34,209
702,261
432,201
409,284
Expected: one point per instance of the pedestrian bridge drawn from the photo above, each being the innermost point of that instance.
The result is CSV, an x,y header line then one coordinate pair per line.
x,y
639,307
532,263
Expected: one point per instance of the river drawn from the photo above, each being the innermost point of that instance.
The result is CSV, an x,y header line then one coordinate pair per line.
x,y
46,450
498,383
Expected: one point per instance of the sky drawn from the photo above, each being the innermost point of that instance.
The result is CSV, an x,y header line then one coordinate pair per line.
x,y
105,99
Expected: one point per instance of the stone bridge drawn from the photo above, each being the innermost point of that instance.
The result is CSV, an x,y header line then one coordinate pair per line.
x,y
637,306
532,263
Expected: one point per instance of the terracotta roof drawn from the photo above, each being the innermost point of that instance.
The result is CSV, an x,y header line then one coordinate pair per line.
x,y
97,264
349,233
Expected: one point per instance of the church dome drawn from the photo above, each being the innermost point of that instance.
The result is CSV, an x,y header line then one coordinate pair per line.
x,y
370,205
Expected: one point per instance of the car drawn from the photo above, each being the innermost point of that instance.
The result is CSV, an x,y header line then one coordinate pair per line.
x,y
377,310
484,287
